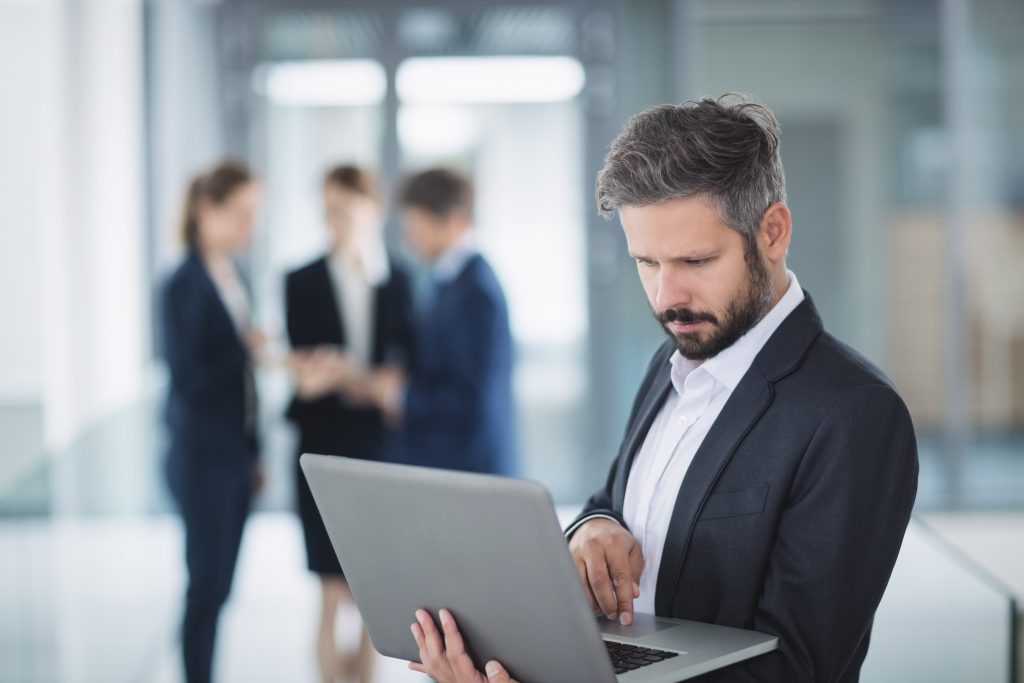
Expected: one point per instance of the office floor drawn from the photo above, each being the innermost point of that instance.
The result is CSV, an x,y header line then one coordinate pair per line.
x,y
97,600
91,574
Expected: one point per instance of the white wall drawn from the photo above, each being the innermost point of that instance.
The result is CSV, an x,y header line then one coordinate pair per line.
x,y
21,356
187,132
831,69
73,298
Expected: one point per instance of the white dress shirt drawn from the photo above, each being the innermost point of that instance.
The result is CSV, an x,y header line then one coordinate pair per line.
x,y
235,298
449,264
354,275
701,391
232,294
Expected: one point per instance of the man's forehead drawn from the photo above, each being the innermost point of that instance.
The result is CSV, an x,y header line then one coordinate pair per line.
x,y
692,208
676,227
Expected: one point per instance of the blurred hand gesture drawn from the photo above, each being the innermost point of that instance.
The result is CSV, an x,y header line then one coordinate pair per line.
x,y
256,342
321,371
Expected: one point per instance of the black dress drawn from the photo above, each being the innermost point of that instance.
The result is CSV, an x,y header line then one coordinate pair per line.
x,y
329,425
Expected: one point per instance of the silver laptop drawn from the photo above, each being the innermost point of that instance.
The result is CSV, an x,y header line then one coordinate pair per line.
x,y
490,549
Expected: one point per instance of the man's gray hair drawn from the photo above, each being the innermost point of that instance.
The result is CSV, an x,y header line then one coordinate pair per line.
x,y
726,150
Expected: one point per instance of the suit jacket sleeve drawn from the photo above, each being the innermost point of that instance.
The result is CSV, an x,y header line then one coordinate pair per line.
x,y
457,398
837,540
184,312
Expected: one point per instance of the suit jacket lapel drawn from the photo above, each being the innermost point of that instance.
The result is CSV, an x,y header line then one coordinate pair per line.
x,y
746,405
782,354
333,318
382,306
661,384
227,324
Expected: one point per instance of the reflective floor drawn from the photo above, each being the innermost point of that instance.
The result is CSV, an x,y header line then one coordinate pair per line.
x,y
91,575
97,601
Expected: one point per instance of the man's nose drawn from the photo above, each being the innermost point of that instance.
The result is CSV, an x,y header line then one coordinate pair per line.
x,y
673,290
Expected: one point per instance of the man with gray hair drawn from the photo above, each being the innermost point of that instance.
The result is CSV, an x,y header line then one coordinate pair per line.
x,y
768,471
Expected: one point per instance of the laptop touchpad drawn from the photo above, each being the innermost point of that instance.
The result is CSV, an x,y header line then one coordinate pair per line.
x,y
643,625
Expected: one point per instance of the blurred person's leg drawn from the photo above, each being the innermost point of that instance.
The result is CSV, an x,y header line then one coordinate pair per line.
x,y
366,659
338,665
332,665
214,501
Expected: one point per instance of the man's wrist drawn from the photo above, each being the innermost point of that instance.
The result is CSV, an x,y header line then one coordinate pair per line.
x,y
597,515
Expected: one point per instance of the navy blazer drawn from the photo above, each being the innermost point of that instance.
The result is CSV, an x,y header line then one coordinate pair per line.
x,y
792,513
458,412
329,424
210,408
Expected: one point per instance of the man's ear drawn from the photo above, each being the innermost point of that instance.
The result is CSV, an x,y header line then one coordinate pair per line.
x,y
775,231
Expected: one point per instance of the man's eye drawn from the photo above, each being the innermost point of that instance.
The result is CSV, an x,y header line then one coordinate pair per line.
x,y
699,261
645,262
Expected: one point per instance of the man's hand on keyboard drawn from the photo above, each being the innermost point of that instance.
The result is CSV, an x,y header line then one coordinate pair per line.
x,y
609,562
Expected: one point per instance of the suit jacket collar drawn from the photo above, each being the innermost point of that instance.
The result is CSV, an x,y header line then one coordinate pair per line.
x,y
195,263
659,386
781,355
325,284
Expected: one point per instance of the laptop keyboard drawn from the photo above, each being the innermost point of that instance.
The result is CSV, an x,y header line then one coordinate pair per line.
x,y
629,657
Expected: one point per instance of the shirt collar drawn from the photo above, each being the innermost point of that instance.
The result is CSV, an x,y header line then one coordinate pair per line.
x,y
729,366
450,263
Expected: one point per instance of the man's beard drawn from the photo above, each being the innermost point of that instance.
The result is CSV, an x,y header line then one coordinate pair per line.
x,y
743,313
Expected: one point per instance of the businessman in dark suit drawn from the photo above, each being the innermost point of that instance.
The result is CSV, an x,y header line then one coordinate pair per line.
x,y
455,404
768,471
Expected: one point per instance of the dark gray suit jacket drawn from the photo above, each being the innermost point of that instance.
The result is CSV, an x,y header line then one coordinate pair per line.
x,y
790,518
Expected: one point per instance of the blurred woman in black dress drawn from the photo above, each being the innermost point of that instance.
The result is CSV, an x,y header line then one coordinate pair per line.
x,y
348,313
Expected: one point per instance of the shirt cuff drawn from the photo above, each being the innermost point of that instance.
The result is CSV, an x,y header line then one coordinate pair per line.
x,y
569,532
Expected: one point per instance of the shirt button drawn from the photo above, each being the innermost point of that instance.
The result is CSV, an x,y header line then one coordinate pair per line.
x,y
683,419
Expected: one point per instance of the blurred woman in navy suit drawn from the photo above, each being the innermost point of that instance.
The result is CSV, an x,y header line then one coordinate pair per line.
x,y
348,313
208,344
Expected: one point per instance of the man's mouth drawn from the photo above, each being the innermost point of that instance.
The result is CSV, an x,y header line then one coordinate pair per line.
x,y
677,326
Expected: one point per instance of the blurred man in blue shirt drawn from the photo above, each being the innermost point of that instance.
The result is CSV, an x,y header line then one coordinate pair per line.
x,y
455,404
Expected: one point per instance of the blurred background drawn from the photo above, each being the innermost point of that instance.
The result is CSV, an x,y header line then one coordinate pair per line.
x,y
904,151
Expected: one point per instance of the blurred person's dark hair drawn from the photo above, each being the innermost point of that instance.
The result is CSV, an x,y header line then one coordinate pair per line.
x,y
439,191
725,149
214,185
353,179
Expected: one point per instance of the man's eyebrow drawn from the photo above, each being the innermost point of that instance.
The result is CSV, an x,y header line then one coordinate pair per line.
x,y
697,256
692,256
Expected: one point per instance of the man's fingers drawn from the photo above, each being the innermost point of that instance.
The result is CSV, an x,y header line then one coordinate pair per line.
x,y
636,566
622,582
601,585
432,650
417,634
455,649
496,673
636,562
614,564
581,569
